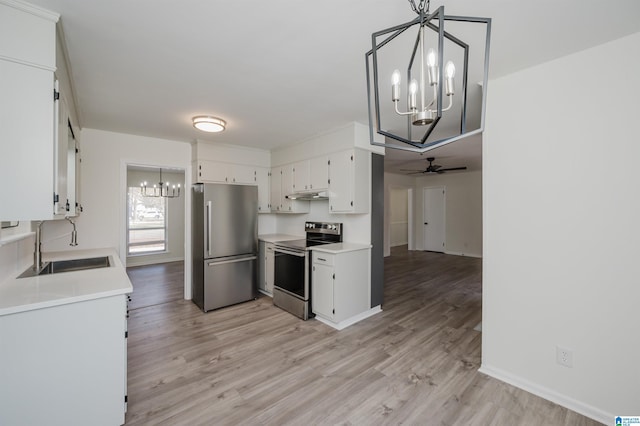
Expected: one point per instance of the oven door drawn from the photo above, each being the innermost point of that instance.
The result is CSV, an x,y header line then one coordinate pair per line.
x,y
291,272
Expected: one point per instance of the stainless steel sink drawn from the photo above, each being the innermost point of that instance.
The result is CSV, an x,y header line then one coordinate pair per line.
x,y
58,266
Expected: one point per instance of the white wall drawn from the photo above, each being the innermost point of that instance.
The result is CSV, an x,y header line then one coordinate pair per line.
x,y
561,229
398,204
463,209
392,182
105,156
174,217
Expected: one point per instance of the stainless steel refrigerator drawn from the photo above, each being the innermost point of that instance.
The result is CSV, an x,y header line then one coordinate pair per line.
x,y
224,235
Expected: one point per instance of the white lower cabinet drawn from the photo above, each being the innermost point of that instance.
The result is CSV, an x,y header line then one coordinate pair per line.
x,y
340,285
65,364
266,269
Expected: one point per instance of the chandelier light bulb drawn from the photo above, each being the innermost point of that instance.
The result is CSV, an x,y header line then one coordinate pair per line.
x,y
450,70
413,90
449,73
395,77
395,86
431,58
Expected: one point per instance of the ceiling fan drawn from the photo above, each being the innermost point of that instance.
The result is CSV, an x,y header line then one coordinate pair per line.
x,y
433,168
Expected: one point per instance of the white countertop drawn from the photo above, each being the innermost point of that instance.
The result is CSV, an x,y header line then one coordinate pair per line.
x,y
272,238
26,294
340,247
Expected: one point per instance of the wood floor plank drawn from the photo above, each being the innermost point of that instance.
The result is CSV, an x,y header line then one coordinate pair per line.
x,y
415,362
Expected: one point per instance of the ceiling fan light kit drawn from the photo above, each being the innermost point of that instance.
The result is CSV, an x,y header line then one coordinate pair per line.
x,y
431,87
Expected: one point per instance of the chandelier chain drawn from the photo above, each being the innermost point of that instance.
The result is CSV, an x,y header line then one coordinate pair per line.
x,y
421,6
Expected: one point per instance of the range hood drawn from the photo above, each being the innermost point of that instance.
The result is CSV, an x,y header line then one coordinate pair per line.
x,y
309,196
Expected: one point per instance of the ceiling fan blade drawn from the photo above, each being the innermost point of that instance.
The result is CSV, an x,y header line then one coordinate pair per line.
x,y
412,170
452,168
435,167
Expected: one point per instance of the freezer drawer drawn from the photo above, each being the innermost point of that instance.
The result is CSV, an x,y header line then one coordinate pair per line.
x,y
228,281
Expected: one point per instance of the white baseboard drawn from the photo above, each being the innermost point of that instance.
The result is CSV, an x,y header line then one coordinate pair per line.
x,y
454,253
549,394
350,321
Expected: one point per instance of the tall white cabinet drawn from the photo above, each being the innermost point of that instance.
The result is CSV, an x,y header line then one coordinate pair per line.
x,y
27,65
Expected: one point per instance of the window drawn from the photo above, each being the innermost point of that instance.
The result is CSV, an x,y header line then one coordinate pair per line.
x,y
146,224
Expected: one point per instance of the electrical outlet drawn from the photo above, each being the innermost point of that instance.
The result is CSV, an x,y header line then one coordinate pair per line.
x,y
564,356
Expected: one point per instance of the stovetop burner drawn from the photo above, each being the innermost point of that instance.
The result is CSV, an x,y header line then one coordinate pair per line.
x,y
317,233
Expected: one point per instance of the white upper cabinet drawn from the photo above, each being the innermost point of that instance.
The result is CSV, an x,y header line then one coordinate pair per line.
x,y
319,173
27,63
276,189
61,201
301,181
263,178
212,172
311,175
349,177
281,186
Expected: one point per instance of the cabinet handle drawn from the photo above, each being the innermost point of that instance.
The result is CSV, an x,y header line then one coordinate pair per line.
x,y
324,260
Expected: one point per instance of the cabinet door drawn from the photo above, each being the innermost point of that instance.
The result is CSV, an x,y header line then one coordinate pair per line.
x,y
61,156
287,188
322,290
319,173
269,268
211,171
341,181
26,132
301,176
264,189
276,189
243,174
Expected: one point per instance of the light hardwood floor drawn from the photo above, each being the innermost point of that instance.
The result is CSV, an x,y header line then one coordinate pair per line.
x,y
251,364
156,284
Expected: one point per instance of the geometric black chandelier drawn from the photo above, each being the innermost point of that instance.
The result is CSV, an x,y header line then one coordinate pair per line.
x,y
416,79
161,189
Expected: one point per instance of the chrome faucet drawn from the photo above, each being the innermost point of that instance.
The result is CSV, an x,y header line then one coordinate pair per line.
x,y
74,234
37,254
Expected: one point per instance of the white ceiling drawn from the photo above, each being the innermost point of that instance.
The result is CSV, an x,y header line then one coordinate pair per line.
x,y
280,71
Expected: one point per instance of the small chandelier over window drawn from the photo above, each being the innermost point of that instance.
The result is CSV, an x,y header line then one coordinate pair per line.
x,y
429,91
161,189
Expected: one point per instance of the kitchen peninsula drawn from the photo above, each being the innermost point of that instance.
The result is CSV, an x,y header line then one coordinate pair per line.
x,y
64,344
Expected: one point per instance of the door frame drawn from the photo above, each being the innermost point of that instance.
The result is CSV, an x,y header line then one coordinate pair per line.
x,y
122,227
444,215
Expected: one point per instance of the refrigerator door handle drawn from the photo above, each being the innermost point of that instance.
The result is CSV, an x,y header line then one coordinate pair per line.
x,y
224,262
208,228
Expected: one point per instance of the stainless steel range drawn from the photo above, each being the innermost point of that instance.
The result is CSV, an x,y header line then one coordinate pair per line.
x,y
292,281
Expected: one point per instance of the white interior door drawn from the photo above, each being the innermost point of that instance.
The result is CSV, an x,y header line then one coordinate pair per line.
x,y
433,215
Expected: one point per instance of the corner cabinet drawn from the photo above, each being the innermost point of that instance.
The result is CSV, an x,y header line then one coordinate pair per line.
x,y
349,177
341,286
27,65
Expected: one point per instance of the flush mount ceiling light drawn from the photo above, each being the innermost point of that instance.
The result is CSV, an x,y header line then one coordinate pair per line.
x,y
209,124
430,91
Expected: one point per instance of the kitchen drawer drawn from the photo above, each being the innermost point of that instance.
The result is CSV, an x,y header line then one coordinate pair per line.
x,y
323,258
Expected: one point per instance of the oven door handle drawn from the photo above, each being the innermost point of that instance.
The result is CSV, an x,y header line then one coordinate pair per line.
x,y
291,252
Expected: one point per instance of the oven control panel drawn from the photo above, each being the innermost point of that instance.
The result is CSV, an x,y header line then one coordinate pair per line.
x,y
323,228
